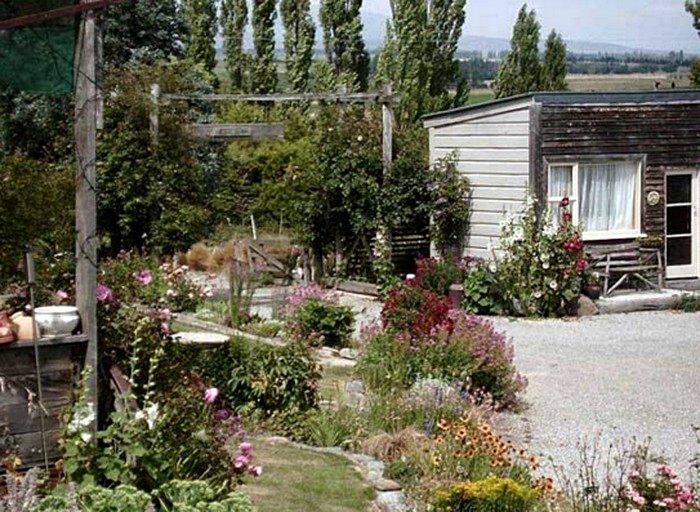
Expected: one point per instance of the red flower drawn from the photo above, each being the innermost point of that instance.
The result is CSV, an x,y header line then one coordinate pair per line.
x,y
581,265
566,217
564,202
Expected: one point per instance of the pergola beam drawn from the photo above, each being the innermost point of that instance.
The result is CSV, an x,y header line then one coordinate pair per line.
x,y
360,97
71,10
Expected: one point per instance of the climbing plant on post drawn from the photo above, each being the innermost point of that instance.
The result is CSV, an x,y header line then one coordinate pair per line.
x,y
451,208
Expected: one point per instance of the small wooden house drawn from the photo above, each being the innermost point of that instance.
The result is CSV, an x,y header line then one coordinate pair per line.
x,y
629,162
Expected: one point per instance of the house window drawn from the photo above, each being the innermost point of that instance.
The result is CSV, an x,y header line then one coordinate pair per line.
x,y
605,197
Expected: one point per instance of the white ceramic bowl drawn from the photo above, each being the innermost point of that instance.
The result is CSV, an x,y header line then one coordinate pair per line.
x,y
57,320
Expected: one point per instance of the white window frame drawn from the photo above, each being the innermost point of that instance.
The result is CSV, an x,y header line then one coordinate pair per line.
x,y
575,195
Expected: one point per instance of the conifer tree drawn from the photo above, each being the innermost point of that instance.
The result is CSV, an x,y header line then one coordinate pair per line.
x,y
554,69
299,36
200,16
234,18
521,71
264,69
342,38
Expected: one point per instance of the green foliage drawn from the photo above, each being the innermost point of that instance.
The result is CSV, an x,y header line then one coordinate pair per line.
x,y
554,68
342,38
481,291
418,56
234,18
264,73
200,16
143,32
542,267
320,323
263,380
493,494
37,209
695,73
150,195
693,8
451,208
688,304
521,71
300,32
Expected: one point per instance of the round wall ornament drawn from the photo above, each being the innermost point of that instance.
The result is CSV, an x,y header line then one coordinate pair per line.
x,y
653,198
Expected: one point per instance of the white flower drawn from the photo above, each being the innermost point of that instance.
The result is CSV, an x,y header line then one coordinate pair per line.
x,y
553,285
140,415
549,229
518,234
86,436
493,267
82,418
545,265
538,294
151,415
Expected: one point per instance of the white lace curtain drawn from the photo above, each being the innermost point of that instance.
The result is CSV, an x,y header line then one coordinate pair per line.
x,y
606,194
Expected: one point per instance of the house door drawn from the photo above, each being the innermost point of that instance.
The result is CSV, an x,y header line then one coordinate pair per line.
x,y
682,224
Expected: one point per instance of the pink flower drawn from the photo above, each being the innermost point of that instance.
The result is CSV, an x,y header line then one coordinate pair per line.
x,y
144,277
210,395
165,328
240,462
256,470
61,295
104,294
245,448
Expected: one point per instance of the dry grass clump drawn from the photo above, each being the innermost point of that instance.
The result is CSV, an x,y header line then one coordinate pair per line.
x,y
199,257
390,447
222,255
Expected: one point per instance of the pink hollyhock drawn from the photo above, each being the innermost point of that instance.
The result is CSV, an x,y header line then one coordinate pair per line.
x,y
144,277
256,470
104,294
245,448
210,395
61,295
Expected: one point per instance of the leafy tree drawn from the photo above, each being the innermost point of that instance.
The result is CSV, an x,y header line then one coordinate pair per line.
x,y
264,70
300,33
342,38
145,32
554,69
693,7
234,17
418,55
521,71
201,20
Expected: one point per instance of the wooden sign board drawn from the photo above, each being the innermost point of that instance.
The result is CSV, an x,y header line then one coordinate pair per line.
x,y
231,132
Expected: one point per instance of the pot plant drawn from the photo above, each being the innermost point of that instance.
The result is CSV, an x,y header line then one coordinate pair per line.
x,y
591,285
651,242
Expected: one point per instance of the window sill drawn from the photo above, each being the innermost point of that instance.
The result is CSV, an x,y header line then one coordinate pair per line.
x,y
610,235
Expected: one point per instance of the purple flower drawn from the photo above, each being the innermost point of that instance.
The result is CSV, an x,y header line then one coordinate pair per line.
x,y
210,395
144,277
240,462
222,415
104,294
245,448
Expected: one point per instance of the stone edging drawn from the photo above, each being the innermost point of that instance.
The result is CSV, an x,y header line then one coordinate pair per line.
x,y
390,496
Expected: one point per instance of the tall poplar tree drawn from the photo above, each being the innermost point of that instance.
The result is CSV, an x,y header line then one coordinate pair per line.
x,y
693,7
300,33
521,71
200,16
342,38
554,69
234,18
264,68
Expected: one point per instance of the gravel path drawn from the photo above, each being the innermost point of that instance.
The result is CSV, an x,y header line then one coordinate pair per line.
x,y
615,376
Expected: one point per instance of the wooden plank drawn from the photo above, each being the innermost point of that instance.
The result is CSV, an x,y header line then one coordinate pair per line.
x,y
57,386
29,446
481,242
499,180
238,131
499,141
61,12
369,97
485,229
500,168
490,192
18,419
537,182
497,205
21,361
485,155
483,129
85,129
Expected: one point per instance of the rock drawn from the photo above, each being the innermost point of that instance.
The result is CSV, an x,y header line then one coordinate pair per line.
x,y
586,307
386,485
392,501
277,440
354,386
349,353
328,352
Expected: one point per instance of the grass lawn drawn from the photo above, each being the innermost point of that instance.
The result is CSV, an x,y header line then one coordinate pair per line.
x,y
296,480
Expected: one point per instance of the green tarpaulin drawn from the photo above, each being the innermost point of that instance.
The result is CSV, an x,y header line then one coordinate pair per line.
x,y
37,58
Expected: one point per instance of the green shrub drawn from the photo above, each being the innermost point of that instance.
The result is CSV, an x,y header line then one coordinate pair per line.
x,y
437,275
493,494
481,291
319,322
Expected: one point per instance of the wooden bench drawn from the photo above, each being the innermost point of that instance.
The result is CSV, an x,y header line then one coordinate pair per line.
x,y
622,263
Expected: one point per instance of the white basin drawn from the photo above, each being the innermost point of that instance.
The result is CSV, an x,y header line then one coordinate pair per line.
x,y
57,320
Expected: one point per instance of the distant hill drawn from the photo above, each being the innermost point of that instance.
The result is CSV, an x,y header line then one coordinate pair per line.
x,y
375,29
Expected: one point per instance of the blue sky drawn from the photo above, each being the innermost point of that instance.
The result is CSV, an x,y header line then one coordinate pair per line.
x,y
653,24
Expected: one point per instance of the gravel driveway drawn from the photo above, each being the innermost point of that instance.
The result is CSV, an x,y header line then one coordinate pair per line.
x,y
617,376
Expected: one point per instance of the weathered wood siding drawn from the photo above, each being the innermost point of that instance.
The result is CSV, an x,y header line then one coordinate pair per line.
x,y
20,426
668,134
492,149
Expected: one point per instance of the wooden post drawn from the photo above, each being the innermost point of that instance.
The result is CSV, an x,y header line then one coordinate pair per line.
x,y
155,105
384,244
85,126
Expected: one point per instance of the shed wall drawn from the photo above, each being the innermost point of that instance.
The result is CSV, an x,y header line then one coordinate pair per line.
x,y
493,153
668,134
